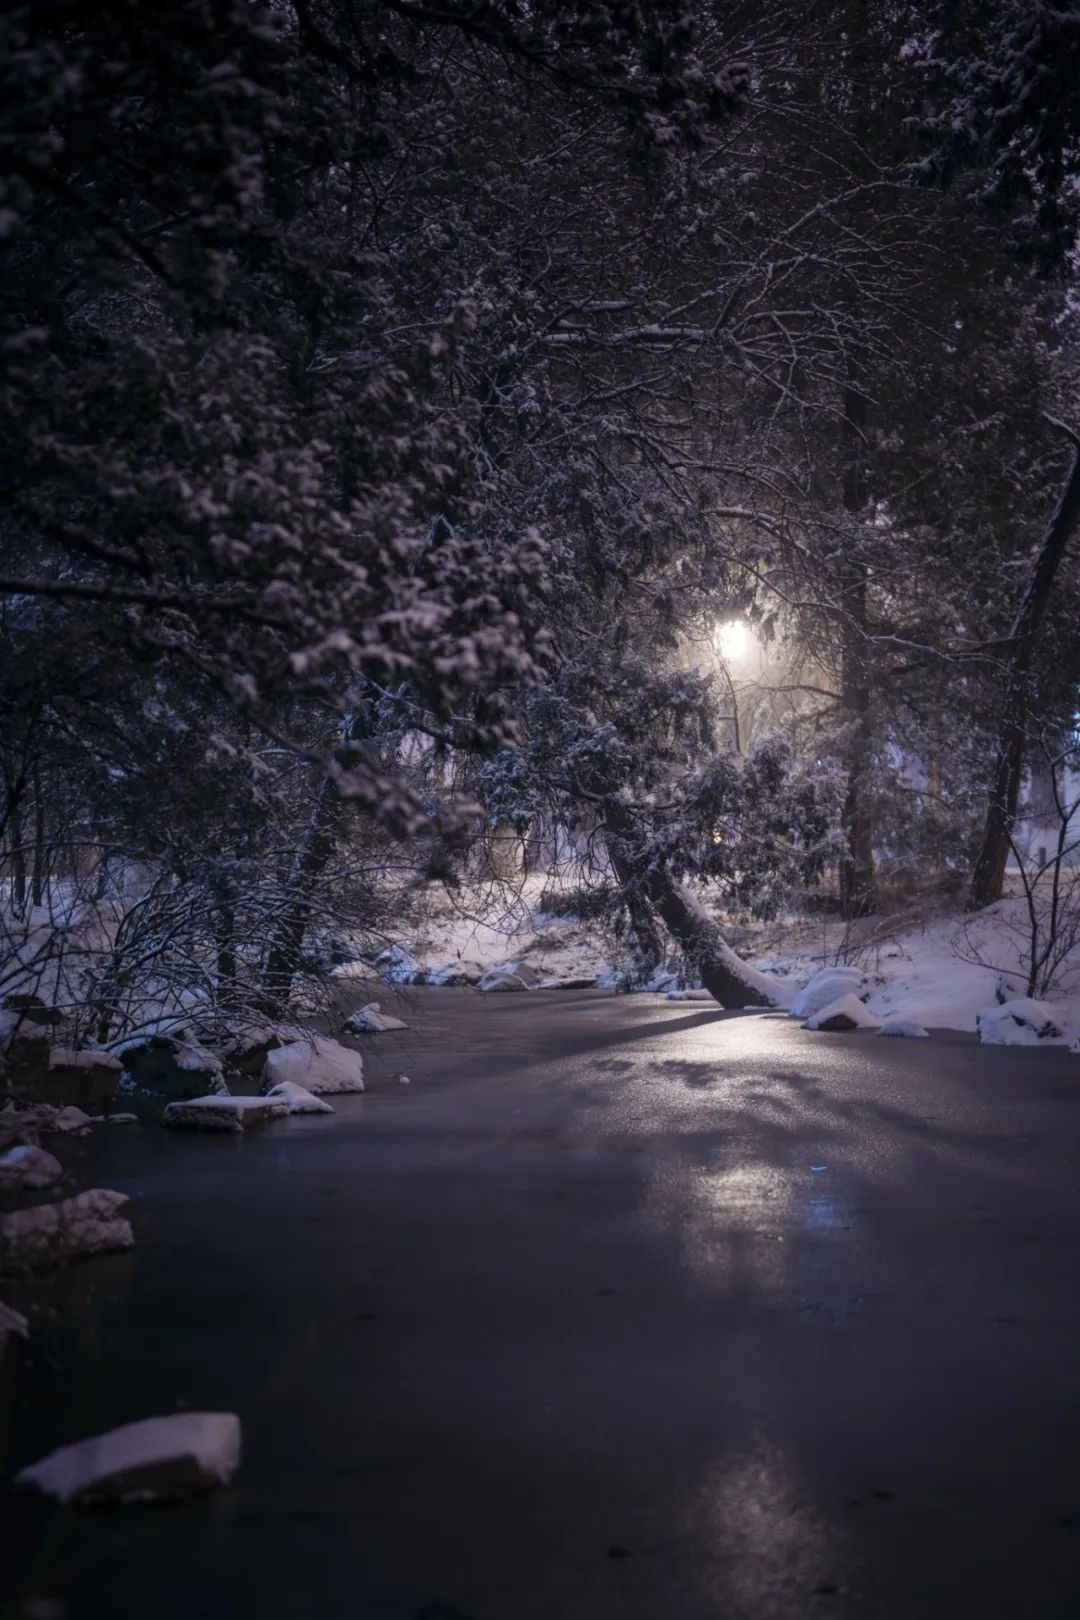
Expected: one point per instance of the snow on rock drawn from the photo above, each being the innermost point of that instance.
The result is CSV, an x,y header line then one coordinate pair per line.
x,y
455,972
169,1065
159,1458
52,1234
121,1119
67,1119
897,1025
499,981
403,1080
1019,1022
826,986
26,1166
300,1101
691,995
217,1113
398,966
13,1325
371,1020
70,1057
322,1066
574,981
846,1012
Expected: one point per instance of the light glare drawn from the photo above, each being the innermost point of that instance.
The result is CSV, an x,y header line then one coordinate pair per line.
x,y
734,641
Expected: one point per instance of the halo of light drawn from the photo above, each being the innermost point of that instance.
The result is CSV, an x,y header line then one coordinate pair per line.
x,y
735,641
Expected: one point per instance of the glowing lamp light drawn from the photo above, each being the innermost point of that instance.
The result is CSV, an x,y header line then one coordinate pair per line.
x,y
735,641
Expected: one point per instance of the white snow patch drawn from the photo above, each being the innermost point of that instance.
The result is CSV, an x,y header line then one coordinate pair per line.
x,y
691,995
299,1100
322,1066
906,1027
1020,1022
67,1119
846,1012
12,1324
26,1166
371,1020
70,1057
218,1113
827,985
50,1234
501,980
150,1461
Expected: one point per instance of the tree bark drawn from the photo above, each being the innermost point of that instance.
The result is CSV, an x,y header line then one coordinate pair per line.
x,y
988,877
37,882
18,859
723,973
308,865
857,896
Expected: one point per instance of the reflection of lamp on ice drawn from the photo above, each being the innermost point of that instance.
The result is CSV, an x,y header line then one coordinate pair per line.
x,y
735,643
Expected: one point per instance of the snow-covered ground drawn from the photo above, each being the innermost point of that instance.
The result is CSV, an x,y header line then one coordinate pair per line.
x,y
935,970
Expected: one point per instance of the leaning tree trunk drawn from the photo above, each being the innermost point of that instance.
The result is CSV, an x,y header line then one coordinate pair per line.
x,y
723,973
988,877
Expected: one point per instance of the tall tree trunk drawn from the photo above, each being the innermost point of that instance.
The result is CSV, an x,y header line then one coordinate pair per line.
x,y
857,862
18,858
37,882
307,867
723,974
988,877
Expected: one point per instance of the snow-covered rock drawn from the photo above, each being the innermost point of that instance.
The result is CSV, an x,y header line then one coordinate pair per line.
x,y
1019,1022
52,1234
691,995
169,1065
827,985
159,1458
13,1325
299,1100
846,1012
70,1057
499,981
215,1113
26,1166
67,1119
904,1027
371,1020
320,1065
573,981
456,972
398,966
121,1119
